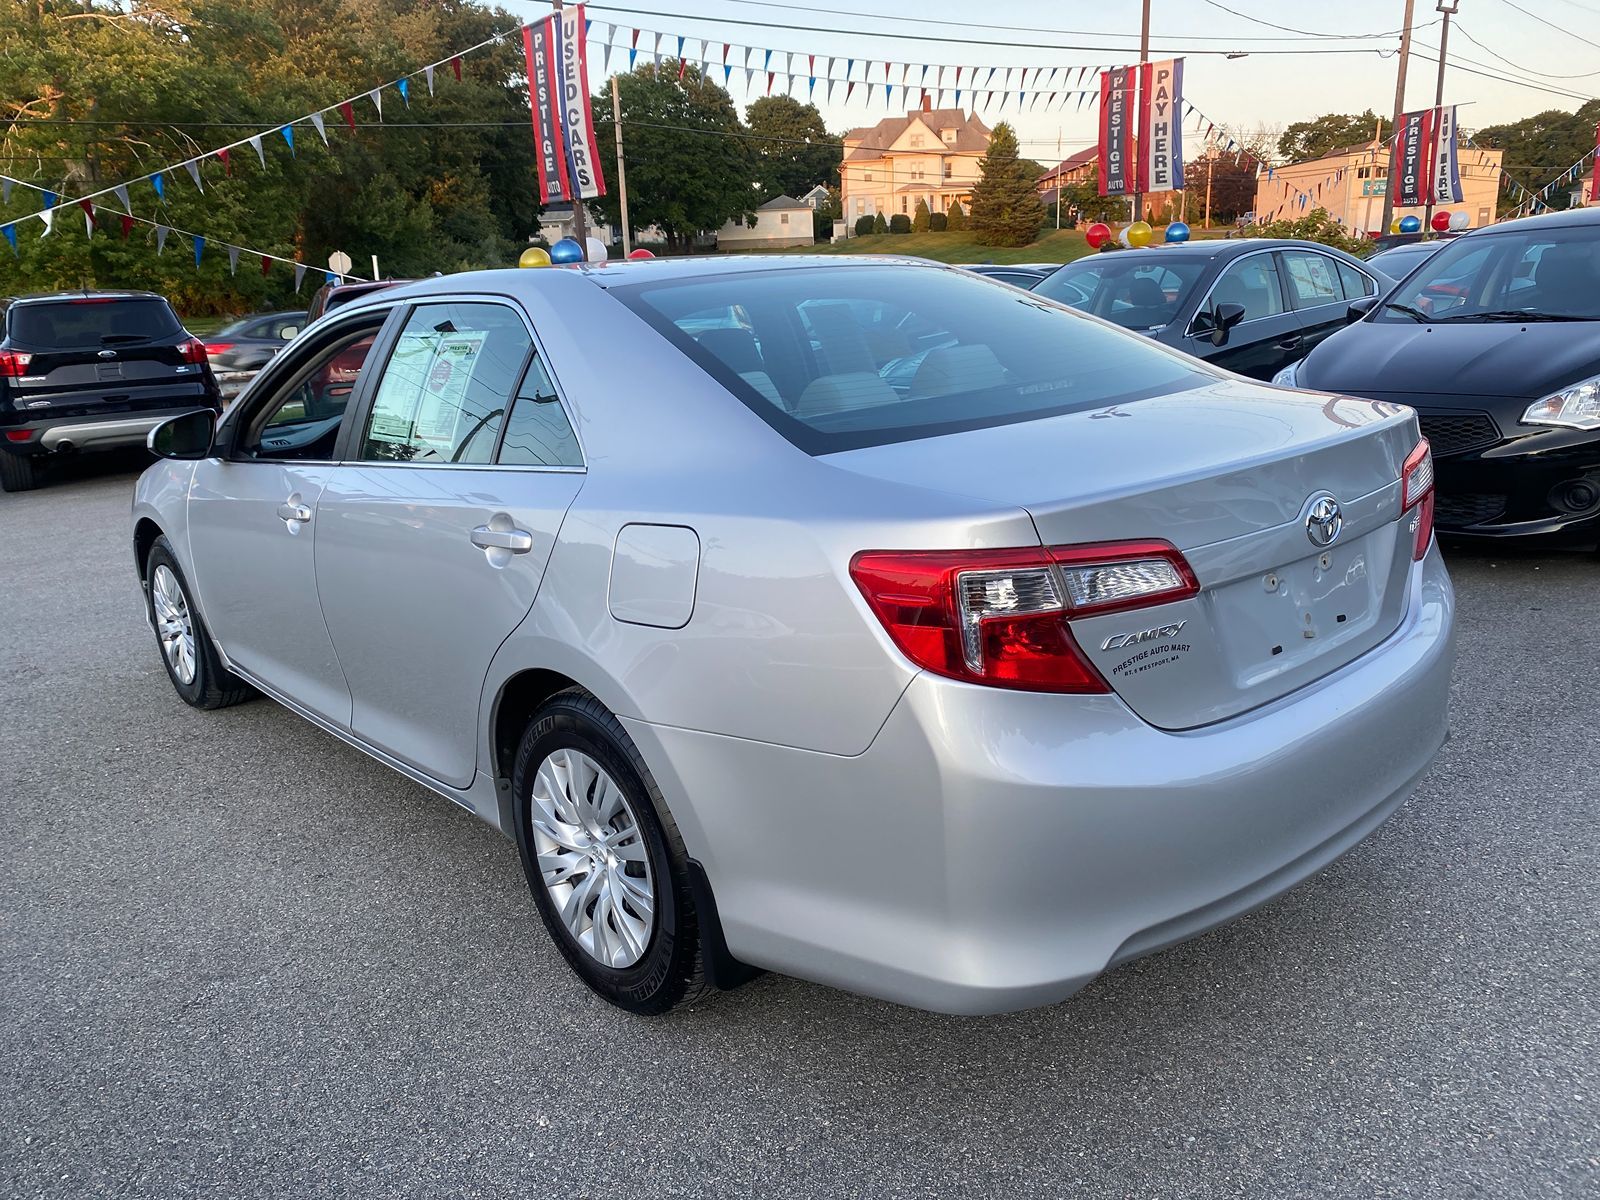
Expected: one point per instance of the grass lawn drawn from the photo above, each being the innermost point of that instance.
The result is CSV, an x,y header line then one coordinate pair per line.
x,y
958,247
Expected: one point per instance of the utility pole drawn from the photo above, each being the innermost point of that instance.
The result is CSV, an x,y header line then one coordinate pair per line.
x,y
1449,9
1058,178
1211,165
580,223
1144,57
1399,114
622,177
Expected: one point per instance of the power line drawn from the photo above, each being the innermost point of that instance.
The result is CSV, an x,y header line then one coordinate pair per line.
x,y
1458,64
1518,66
1310,33
1552,24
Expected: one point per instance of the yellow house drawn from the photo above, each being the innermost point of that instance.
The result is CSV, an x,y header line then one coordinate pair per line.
x,y
1350,183
929,154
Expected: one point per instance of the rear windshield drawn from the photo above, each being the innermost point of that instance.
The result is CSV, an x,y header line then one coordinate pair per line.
x,y
840,357
1136,291
70,324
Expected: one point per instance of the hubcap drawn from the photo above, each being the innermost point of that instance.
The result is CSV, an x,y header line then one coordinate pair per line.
x,y
592,858
174,626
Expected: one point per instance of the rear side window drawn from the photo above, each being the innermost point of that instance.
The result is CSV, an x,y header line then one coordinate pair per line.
x,y
538,433
446,387
840,357
1357,283
1313,278
92,321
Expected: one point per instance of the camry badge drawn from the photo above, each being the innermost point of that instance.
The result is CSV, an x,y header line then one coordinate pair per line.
x,y
1122,641
1324,520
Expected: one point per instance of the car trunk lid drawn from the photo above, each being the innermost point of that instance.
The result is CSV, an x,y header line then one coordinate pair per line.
x,y
1228,474
89,354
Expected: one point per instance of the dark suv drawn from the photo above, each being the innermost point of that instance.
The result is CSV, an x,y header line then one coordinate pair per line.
x,y
86,371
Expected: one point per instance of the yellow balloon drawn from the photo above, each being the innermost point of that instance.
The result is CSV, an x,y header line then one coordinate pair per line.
x,y
533,256
1394,225
1140,234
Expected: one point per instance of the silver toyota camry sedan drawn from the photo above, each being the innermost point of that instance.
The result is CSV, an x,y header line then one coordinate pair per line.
x,y
863,620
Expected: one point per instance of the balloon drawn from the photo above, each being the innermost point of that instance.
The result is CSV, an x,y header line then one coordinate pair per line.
x,y
1122,238
533,256
1140,234
1441,220
595,249
1177,232
1410,224
1394,225
641,252
566,252
1460,221
1097,235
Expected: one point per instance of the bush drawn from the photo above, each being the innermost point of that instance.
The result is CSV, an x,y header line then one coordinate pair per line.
x,y
900,223
922,219
864,225
879,225
956,218
938,222
1316,226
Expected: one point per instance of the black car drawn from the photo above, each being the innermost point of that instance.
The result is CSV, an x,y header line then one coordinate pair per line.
x,y
82,371
1251,305
1023,275
1399,261
1495,341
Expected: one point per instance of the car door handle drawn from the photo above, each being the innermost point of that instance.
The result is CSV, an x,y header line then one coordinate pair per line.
x,y
290,511
1290,343
518,541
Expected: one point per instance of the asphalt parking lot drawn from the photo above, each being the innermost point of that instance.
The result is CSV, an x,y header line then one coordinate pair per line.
x,y
241,959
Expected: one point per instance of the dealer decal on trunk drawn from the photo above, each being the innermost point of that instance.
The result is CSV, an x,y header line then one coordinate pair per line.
x,y
1163,653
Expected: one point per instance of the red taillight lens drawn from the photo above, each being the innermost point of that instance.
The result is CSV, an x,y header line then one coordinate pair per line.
x,y
18,435
14,364
193,351
218,347
1416,492
999,617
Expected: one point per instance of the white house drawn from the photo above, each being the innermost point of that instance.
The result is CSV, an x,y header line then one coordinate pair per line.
x,y
783,221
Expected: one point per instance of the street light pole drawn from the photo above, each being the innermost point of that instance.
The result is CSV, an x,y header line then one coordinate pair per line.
x,y
1144,57
1449,9
1399,114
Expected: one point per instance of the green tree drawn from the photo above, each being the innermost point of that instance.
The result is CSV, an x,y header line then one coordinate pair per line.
x,y
792,148
689,165
1540,147
825,214
1006,209
1312,139
922,219
956,218
879,225
1232,181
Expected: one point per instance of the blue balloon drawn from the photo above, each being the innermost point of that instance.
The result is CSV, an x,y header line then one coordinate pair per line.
x,y
1410,224
566,251
1177,232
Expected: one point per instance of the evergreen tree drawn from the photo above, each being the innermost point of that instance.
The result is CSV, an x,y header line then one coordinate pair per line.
x,y
1006,209
956,218
922,219
879,225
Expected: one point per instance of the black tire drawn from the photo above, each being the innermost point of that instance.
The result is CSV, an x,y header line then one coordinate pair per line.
x,y
213,685
671,970
17,473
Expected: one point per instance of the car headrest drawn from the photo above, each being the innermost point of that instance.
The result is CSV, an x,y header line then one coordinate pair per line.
x,y
1145,292
1566,280
736,348
843,392
952,369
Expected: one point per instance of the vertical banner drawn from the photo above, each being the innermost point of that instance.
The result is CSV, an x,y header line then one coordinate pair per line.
x,y
583,149
1409,168
1160,139
539,57
1594,183
1446,173
1115,151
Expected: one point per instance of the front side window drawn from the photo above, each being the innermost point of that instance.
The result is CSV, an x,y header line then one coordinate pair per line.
x,y
445,389
1131,290
844,356
1537,273
1252,282
300,420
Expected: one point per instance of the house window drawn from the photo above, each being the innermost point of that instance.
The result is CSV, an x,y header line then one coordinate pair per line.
x,y
866,176
903,203
916,141
783,218
861,206
947,168
948,135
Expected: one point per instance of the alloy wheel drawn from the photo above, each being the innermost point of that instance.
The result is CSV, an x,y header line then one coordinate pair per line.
x,y
174,624
592,858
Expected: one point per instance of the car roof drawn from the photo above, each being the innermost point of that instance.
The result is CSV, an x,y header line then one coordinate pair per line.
x,y
85,294
1551,220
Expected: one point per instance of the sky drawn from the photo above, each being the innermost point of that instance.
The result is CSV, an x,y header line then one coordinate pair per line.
x,y
1553,44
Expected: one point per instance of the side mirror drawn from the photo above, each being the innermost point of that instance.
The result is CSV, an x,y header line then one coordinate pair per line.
x,y
1359,308
188,436
1223,318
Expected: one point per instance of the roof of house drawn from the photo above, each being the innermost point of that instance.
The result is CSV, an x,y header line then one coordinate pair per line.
x,y
1072,163
871,140
784,202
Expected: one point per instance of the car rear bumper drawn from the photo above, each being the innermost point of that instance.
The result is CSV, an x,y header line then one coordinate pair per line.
x,y
997,850
77,434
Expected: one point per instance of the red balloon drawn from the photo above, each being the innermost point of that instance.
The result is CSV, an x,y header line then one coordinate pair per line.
x,y
1441,220
1097,235
641,252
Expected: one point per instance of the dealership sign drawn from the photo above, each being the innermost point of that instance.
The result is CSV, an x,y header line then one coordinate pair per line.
x,y
1141,133
1425,167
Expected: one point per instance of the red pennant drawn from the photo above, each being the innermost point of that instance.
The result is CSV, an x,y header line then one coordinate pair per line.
x,y
849,88
227,160
811,63
636,45
455,65
348,112
266,264
127,227
770,74
724,50
88,210
683,65
886,72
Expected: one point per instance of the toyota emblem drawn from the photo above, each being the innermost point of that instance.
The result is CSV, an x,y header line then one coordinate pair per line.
x,y
1324,520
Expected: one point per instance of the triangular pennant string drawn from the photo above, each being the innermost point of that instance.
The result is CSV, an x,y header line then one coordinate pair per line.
x,y
321,127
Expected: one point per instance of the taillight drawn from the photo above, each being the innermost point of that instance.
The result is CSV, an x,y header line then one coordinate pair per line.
x,y
999,617
1416,496
193,351
14,364
218,347
18,435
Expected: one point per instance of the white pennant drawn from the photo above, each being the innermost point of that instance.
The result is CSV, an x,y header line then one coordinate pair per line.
x,y
428,71
233,260
322,128
122,195
88,224
193,168
255,140
377,102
